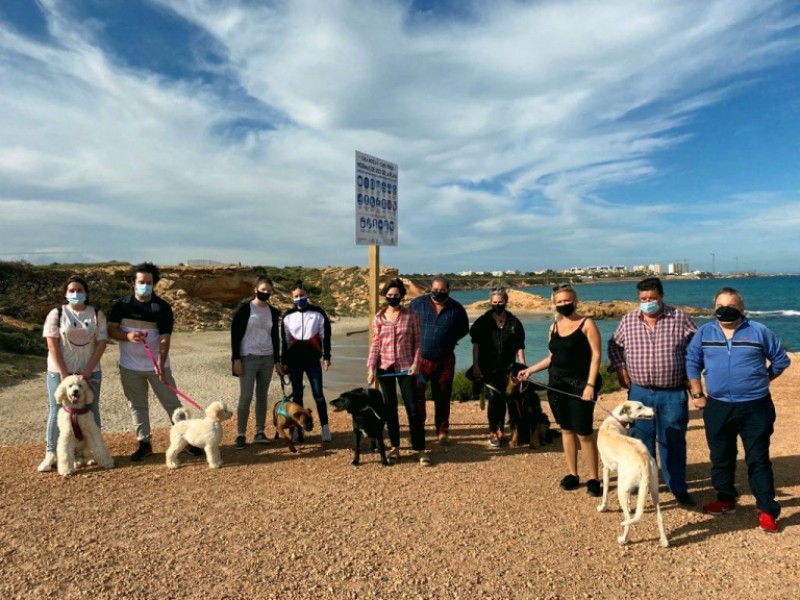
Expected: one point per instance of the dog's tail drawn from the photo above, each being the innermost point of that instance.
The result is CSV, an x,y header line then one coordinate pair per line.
x,y
649,473
180,414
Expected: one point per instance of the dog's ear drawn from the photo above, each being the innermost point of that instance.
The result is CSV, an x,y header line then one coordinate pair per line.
x,y
61,393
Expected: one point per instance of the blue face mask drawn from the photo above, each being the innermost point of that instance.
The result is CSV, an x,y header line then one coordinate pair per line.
x,y
143,290
301,303
76,298
649,308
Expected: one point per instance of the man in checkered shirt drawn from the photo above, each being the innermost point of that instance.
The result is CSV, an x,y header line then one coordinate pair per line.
x,y
648,352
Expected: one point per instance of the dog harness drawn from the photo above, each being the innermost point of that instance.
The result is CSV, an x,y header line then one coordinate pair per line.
x,y
73,419
282,409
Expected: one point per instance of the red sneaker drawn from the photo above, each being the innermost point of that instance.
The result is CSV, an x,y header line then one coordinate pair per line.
x,y
720,507
766,522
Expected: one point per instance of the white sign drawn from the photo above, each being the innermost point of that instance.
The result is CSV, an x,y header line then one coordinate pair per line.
x,y
376,201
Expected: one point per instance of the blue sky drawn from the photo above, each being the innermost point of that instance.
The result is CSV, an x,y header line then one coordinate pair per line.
x,y
528,134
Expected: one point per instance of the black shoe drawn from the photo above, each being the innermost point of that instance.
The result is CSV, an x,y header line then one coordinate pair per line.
x,y
684,499
593,488
145,449
194,450
240,445
569,483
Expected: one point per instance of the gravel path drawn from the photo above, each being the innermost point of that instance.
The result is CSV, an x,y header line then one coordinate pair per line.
x,y
480,523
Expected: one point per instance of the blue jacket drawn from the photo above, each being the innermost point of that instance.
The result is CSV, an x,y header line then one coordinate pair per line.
x,y
736,372
440,332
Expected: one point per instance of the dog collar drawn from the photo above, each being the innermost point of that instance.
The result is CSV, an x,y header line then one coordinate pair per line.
x,y
73,419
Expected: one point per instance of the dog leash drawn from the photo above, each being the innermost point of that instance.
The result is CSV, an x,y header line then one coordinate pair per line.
x,y
169,385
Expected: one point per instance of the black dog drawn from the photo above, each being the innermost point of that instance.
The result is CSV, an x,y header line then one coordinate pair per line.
x,y
530,426
366,407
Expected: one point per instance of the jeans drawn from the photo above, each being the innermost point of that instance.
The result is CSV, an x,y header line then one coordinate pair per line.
x,y
668,429
440,373
51,431
752,421
313,371
256,371
416,426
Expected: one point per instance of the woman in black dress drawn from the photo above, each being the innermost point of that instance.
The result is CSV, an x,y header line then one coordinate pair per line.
x,y
573,365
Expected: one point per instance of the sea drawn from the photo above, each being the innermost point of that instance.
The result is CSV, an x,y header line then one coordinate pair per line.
x,y
773,301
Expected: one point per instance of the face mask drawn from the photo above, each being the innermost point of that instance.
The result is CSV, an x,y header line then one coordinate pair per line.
x,y
144,289
76,298
263,296
440,297
394,302
499,308
728,314
301,303
566,309
649,308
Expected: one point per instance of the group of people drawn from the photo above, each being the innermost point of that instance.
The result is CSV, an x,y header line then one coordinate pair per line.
x,y
657,352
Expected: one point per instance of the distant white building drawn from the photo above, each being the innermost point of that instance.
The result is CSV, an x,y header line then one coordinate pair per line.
x,y
678,268
655,269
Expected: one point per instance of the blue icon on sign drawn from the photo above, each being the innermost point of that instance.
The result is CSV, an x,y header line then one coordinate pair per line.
x,y
360,200
380,225
360,180
363,222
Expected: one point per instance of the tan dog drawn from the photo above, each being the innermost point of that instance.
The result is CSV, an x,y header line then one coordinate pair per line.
x,y
77,430
632,462
287,416
203,433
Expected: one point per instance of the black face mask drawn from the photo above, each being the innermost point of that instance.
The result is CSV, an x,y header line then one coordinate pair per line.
x,y
440,297
263,296
728,314
394,302
566,309
499,308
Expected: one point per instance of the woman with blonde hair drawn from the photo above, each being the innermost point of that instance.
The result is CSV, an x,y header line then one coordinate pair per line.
x,y
573,365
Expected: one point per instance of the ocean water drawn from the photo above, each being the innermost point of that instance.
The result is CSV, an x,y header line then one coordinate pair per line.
x,y
773,301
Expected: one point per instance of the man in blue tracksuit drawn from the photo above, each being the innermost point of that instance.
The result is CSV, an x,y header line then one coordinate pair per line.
x,y
739,357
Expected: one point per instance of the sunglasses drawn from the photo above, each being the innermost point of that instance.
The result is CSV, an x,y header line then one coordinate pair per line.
x,y
562,286
498,290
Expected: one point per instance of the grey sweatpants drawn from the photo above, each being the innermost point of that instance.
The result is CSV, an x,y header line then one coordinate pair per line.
x,y
135,385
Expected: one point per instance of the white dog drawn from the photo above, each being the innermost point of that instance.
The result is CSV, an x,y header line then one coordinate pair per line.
x,y
203,433
632,462
76,427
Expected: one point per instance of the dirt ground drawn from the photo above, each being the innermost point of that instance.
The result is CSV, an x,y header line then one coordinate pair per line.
x,y
481,523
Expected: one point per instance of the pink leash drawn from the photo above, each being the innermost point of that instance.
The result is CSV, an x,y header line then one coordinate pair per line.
x,y
169,385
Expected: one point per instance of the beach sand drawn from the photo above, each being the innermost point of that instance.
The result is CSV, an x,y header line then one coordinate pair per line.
x,y
480,523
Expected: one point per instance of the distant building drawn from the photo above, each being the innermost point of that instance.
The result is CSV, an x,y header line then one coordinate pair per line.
x,y
655,269
678,268
203,262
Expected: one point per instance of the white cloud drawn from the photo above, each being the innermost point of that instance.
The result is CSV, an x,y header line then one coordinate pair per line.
x,y
542,107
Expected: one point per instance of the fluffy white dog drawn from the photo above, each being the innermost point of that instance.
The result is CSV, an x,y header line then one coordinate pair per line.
x,y
77,430
203,433
632,462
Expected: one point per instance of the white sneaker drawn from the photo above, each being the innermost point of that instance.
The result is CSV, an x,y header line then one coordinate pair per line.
x,y
326,433
48,463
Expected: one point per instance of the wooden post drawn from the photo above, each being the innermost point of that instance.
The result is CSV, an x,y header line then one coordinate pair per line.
x,y
374,283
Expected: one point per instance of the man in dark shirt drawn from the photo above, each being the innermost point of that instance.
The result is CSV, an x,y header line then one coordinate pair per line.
x,y
443,321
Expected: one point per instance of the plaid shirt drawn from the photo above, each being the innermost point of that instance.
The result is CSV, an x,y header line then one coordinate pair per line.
x,y
654,358
395,343
440,330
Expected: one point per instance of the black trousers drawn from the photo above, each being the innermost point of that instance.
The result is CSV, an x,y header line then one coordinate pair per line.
x,y
753,421
416,424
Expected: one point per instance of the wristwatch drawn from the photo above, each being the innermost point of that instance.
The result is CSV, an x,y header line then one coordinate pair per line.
x,y
698,395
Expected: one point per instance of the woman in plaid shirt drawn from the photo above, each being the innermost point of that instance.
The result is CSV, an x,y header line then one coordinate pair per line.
x,y
395,355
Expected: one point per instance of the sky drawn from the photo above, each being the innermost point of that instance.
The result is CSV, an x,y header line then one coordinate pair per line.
x,y
528,134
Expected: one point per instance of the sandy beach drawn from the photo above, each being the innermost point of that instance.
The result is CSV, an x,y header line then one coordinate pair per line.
x,y
480,523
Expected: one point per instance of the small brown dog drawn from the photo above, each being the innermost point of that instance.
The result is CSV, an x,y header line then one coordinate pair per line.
x,y
287,416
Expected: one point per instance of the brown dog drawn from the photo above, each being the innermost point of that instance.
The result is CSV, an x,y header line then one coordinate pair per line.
x,y
287,416
529,425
